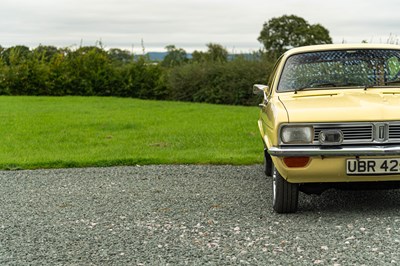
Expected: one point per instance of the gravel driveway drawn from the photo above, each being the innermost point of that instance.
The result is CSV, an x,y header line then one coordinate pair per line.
x,y
187,215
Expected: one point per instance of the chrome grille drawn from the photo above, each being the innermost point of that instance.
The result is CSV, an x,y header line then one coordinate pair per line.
x,y
357,132
394,131
352,133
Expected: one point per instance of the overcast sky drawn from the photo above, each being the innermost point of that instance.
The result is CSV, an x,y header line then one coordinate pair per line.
x,y
188,24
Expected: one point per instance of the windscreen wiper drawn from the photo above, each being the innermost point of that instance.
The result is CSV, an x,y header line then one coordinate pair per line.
x,y
331,84
370,86
316,85
393,81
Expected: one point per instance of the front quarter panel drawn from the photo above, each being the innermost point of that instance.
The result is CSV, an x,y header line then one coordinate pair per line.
x,y
271,116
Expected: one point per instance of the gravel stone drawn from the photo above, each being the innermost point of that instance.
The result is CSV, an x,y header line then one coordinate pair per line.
x,y
187,215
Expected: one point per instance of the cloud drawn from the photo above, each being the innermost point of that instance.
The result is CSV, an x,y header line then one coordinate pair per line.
x,y
122,23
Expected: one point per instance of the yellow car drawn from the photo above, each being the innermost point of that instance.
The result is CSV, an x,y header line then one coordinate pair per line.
x,y
331,115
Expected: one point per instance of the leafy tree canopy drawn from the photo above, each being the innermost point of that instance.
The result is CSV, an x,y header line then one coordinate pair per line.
x,y
15,55
175,56
119,55
282,33
47,52
214,53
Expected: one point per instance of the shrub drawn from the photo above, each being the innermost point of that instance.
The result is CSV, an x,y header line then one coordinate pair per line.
x,y
142,80
221,83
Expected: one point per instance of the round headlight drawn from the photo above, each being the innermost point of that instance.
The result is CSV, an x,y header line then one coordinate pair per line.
x,y
296,134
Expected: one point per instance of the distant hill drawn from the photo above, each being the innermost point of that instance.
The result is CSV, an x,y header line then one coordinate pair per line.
x,y
159,56
156,56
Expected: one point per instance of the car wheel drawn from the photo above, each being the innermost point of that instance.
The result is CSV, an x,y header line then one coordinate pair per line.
x,y
285,195
267,163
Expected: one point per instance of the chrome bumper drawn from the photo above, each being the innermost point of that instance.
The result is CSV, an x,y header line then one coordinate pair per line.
x,y
335,151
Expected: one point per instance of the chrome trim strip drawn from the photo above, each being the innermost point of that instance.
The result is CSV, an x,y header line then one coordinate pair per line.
x,y
336,151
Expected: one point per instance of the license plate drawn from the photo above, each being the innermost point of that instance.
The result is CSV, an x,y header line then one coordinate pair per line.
x,y
373,166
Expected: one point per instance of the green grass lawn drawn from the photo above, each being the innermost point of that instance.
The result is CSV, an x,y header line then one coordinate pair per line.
x,y
55,132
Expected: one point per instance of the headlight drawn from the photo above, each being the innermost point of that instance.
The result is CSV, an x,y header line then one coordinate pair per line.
x,y
296,134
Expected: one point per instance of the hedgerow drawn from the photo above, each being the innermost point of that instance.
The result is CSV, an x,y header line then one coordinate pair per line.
x,y
92,71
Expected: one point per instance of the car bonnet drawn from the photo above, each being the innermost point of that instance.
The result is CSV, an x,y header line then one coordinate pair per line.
x,y
347,105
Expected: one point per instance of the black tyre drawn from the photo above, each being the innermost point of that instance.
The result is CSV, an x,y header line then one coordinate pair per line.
x,y
267,163
285,195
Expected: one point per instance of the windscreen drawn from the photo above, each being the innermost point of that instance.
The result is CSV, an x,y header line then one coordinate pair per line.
x,y
343,68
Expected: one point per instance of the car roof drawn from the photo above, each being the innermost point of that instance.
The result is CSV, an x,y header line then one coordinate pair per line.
x,y
328,47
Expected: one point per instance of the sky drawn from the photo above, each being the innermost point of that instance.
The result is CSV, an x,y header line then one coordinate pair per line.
x,y
187,24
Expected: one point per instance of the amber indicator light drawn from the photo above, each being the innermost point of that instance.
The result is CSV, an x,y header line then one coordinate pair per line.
x,y
296,161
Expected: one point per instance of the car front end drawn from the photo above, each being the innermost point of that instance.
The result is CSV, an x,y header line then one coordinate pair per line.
x,y
331,114
340,131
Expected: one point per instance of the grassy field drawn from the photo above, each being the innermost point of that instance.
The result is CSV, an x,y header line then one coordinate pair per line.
x,y
54,132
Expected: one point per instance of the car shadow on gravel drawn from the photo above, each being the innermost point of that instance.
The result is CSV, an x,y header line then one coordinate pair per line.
x,y
334,200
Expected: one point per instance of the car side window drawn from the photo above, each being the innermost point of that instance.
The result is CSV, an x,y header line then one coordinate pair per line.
x,y
393,65
272,77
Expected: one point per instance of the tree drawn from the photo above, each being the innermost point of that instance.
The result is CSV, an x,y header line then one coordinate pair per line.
x,y
199,56
282,33
175,56
120,56
215,53
16,54
48,52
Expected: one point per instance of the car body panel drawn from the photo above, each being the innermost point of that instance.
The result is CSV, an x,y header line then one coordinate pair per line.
x,y
273,113
336,105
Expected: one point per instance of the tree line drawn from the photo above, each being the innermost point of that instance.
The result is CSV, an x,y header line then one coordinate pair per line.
x,y
211,76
